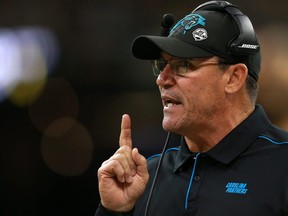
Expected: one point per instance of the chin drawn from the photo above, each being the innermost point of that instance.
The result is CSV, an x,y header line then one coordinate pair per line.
x,y
169,126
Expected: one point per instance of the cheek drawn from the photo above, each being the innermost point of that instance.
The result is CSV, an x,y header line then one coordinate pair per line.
x,y
203,94
196,90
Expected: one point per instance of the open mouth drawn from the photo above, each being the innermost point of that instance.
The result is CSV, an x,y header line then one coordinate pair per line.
x,y
170,102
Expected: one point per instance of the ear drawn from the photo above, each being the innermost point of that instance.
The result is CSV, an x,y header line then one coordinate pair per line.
x,y
236,76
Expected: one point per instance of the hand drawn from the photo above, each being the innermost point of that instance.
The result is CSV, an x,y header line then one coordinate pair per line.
x,y
124,176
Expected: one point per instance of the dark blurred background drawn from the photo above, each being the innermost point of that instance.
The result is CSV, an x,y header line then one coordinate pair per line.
x,y
66,77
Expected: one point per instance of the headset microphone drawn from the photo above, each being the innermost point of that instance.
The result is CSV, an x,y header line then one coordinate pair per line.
x,y
166,24
156,174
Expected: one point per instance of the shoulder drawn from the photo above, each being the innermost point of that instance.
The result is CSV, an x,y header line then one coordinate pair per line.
x,y
275,136
273,143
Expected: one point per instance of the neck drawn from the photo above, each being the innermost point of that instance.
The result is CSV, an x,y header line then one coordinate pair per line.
x,y
209,135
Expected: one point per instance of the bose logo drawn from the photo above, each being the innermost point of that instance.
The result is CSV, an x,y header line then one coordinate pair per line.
x,y
249,46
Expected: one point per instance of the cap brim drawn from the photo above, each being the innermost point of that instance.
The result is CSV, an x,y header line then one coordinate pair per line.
x,y
150,47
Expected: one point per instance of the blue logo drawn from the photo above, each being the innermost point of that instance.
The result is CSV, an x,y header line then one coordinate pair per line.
x,y
236,188
189,22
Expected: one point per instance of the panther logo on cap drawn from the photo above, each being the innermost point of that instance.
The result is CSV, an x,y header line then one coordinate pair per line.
x,y
200,34
188,22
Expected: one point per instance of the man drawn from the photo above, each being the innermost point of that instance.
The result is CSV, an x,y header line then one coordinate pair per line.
x,y
231,159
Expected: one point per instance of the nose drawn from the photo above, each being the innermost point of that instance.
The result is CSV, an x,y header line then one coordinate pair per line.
x,y
166,78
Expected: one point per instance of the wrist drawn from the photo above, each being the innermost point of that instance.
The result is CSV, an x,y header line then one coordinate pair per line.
x,y
102,211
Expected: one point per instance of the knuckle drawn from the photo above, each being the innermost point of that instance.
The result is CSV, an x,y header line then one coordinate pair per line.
x,y
119,156
124,148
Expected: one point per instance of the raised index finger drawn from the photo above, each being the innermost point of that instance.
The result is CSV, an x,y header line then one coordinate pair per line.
x,y
125,134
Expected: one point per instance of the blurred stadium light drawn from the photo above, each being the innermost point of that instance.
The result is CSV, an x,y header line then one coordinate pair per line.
x,y
27,56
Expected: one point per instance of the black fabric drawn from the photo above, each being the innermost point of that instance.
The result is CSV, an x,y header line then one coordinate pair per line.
x,y
244,174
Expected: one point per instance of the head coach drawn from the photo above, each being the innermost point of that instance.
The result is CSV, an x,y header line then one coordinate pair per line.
x,y
231,159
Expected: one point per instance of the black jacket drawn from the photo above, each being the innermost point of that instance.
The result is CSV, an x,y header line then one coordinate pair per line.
x,y
244,174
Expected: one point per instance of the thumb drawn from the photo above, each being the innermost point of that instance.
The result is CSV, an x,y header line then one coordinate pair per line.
x,y
141,163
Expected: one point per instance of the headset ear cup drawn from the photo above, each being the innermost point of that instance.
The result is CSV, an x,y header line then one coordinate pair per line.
x,y
246,43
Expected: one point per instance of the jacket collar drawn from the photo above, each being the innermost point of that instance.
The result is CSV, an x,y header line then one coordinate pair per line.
x,y
232,145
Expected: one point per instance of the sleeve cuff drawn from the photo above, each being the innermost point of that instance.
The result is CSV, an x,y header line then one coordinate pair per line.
x,y
102,211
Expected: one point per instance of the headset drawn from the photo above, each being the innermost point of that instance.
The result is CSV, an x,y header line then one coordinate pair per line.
x,y
246,43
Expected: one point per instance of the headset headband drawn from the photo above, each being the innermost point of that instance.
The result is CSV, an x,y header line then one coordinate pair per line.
x,y
246,43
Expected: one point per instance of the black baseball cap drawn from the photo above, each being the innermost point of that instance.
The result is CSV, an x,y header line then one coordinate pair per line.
x,y
210,30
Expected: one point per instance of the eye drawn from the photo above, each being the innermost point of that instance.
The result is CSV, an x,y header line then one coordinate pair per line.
x,y
191,65
181,67
184,63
